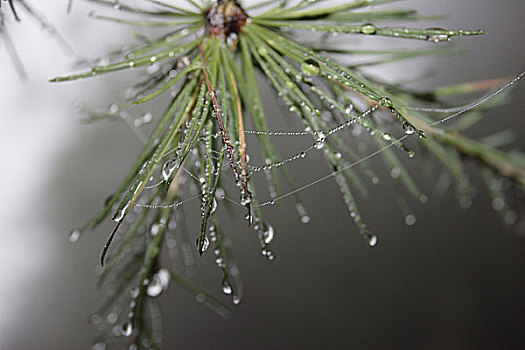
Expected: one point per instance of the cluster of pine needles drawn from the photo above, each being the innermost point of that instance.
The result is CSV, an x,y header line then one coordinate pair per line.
x,y
211,62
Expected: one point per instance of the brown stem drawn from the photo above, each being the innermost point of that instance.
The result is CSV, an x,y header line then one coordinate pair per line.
x,y
242,136
246,195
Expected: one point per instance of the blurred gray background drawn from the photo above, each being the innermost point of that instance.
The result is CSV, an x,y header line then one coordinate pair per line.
x,y
454,280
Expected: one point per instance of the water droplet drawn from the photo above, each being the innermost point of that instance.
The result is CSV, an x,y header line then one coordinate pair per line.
x,y
99,346
498,203
201,298
372,240
152,69
368,29
147,118
410,219
226,287
310,68
302,213
205,243
496,185
127,329
219,193
168,169
160,283
74,235
95,319
213,206
119,215
262,51
387,137
408,128
112,109
320,141
111,318
246,199
236,299
437,38
267,253
395,172
155,229
267,233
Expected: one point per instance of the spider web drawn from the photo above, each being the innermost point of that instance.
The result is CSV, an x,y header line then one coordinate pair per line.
x,y
317,145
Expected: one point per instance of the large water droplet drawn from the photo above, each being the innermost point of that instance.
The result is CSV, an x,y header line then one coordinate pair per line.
x,y
226,287
119,215
112,109
372,240
267,233
127,329
159,283
205,243
310,68
213,206
74,235
410,219
408,128
368,29
168,169
155,229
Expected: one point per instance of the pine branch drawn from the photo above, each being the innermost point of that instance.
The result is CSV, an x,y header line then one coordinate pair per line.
x,y
210,60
